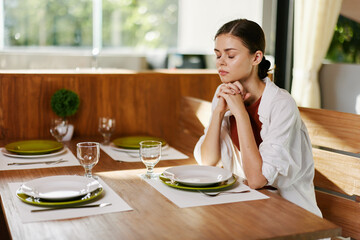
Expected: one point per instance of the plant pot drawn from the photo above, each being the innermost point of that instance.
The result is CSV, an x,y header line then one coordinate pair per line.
x,y
69,133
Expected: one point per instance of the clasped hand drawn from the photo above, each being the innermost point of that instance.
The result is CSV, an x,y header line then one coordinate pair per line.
x,y
232,96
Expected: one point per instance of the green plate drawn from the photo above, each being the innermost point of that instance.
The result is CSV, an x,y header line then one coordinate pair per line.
x,y
132,142
221,185
42,202
31,147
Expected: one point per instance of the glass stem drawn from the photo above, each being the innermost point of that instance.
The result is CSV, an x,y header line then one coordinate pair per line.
x,y
106,139
150,170
88,172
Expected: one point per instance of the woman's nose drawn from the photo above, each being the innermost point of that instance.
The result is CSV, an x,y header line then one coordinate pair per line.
x,y
221,61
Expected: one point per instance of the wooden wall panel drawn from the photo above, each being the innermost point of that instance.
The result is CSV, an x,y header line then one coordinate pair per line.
x,y
147,103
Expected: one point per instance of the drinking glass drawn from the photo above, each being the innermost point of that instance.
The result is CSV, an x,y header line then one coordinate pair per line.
x,y
59,128
150,153
88,154
106,128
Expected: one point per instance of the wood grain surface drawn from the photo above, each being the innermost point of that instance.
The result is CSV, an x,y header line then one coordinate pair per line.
x,y
141,103
147,103
155,217
332,129
337,172
343,212
336,143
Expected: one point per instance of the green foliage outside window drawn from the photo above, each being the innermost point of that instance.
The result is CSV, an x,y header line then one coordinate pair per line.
x,y
140,23
48,23
68,23
345,45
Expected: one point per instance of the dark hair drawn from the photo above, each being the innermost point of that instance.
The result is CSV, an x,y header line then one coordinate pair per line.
x,y
252,36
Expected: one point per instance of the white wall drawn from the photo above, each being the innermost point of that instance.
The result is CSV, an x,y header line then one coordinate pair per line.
x,y
350,9
200,19
340,87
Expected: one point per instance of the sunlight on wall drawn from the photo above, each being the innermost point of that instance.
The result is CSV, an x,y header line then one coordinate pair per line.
x,y
203,113
357,104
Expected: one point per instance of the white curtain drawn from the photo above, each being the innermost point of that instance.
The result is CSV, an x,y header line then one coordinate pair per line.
x,y
314,27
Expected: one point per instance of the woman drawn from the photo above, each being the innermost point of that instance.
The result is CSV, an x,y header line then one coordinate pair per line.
x,y
255,129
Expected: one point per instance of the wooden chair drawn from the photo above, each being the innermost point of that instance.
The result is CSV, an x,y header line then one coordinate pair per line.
x,y
336,143
194,117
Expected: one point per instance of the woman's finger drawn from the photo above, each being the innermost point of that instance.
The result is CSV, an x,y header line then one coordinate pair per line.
x,y
232,86
240,87
227,90
223,95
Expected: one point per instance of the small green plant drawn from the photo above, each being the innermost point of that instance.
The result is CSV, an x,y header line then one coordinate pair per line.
x,y
65,103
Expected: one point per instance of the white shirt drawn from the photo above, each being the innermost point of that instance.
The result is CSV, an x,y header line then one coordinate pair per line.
x,y
286,149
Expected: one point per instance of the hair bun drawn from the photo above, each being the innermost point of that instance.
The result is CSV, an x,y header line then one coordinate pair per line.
x,y
263,68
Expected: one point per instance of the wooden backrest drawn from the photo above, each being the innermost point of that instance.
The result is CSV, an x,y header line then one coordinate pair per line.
x,y
194,117
336,143
141,103
332,129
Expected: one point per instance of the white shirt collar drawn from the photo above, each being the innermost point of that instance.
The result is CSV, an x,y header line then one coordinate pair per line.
x,y
266,100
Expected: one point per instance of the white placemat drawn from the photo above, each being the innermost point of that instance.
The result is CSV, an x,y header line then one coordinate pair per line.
x,y
167,153
184,198
109,196
71,160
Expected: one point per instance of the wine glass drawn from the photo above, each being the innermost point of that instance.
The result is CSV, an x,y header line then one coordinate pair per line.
x,y
150,153
106,128
59,128
88,154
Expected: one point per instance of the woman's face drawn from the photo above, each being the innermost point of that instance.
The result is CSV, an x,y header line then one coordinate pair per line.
x,y
233,60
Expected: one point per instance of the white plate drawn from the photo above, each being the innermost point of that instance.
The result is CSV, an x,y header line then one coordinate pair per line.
x,y
59,188
113,147
197,175
9,154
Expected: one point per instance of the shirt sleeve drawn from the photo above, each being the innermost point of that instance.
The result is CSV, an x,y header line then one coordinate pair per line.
x,y
281,146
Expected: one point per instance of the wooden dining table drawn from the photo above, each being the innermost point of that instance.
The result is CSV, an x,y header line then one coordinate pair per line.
x,y
154,216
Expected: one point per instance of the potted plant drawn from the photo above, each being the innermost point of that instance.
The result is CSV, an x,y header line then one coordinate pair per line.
x,y
65,103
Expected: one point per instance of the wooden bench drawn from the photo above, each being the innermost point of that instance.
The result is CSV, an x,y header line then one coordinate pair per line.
x,y
336,141
336,145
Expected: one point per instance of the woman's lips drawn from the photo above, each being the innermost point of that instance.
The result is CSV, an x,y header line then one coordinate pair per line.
x,y
222,73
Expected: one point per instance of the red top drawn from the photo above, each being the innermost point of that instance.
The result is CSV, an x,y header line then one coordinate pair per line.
x,y
255,124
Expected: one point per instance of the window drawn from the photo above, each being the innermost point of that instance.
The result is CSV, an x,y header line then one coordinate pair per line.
x,y
126,23
140,24
345,45
78,34
47,23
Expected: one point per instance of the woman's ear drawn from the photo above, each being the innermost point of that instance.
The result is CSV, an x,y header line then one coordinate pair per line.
x,y
258,57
